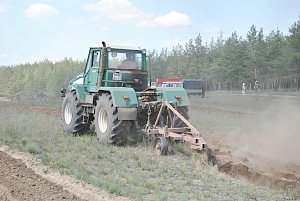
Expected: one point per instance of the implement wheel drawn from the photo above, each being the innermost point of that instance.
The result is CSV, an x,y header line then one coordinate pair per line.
x,y
108,128
72,115
161,146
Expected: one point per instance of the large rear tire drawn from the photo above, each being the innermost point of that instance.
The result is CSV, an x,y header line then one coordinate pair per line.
x,y
72,115
108,128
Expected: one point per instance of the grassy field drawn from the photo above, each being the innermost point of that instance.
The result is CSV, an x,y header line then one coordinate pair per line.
x,y
136,171
224,112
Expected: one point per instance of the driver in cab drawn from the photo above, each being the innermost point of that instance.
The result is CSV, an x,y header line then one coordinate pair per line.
x,y
129,62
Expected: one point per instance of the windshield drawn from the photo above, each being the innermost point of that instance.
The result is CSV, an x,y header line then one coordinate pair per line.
x,y
125,60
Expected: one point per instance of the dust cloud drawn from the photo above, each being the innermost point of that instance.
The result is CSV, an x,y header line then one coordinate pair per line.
x,y
274,142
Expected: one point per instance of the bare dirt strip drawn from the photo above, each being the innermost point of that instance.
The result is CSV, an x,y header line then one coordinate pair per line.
x,y
23,178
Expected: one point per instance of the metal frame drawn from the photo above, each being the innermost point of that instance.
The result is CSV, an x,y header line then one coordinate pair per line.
x,y
188,134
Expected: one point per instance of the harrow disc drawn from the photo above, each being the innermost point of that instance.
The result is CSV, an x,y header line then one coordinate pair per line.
x,y
162,146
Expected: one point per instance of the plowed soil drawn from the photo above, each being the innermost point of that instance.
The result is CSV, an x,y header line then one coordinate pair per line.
x,y
21,183
261,171
23,178
276,179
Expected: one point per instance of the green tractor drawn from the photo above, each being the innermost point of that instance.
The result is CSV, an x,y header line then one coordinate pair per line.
x,y
112,92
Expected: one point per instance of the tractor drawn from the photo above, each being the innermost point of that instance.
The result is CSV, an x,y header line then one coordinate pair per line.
x,y
112,92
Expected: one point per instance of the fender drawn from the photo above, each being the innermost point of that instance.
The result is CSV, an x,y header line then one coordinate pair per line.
x,y
124,99
76,84
80,91
174,95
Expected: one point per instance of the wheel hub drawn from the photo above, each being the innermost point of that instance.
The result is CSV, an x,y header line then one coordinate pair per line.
x,y
68,113
103,120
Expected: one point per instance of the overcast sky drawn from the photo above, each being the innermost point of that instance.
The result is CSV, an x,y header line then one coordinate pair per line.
x,y
32,30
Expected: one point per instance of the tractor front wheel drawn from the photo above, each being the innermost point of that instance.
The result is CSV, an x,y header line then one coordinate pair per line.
x,y
108,128
72,115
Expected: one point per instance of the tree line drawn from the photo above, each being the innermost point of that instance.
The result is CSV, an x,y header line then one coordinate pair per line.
x,y
38,80
273,60
223,64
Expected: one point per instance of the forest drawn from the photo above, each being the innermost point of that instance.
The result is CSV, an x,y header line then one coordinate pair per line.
x,y
223,64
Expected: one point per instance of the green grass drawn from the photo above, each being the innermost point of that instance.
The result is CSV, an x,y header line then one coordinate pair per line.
x,y
132,171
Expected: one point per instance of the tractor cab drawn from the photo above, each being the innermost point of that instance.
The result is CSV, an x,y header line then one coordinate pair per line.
x,y
115,67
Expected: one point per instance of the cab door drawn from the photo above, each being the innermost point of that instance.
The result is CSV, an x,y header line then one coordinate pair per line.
x,y
92,70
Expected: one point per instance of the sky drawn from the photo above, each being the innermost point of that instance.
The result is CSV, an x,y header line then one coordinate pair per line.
x,y
32,30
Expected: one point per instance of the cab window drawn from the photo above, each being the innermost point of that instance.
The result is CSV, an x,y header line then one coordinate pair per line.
x,y
93,60
96,57
125,60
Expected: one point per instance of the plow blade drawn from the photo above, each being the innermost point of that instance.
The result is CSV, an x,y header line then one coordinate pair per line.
x,y
188,134
180,134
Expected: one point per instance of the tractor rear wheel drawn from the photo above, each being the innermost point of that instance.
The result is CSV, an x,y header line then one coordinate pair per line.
x,y
72,115
108,128
183,110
